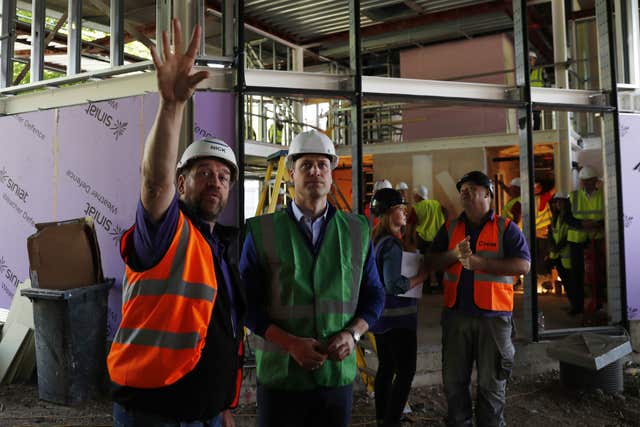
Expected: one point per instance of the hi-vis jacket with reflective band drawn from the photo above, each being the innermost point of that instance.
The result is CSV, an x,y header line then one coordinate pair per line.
x,y
543,219
166,312
506,210
490,291
585,207
537,77
559,232
430,218
307,295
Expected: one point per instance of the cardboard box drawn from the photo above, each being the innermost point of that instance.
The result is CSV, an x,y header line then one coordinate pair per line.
x,y
64,255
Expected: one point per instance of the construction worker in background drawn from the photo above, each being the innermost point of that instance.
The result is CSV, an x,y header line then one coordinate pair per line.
x,y
543,222
586,239
513,208
559,250
395,332
275,132
429,217
313,290
176,357
403,188
280,202
537,79
480,252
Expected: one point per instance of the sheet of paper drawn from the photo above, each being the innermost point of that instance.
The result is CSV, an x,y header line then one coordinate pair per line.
x,y
410,264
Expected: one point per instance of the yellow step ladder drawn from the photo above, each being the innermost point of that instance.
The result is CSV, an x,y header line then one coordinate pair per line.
x,y
277,162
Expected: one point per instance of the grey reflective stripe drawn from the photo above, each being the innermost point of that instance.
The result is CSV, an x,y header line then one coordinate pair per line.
x,y
485,277
452,227
400,311
489,254
264,345
154,338
356,257
306,311
164,287
172,284
450,277
595,211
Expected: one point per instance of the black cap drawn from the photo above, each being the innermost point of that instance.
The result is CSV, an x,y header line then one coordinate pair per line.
x,y
477,178
384,199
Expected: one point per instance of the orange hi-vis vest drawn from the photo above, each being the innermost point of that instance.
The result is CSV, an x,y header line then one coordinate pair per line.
x,y
490,291
166,312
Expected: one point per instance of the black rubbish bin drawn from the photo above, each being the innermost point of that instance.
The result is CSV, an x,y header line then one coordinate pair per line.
x,y
71,337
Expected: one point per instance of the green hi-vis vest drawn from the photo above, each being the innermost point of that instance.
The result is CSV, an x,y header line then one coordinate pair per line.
x,y
430,219
308,296
559,231
506,210
585,207
537,77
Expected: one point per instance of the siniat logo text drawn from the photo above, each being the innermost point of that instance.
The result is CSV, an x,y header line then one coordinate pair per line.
x,y
11,276
13,186
118,127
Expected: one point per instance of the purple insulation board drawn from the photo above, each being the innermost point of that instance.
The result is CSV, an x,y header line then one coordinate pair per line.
x,y
85,161
630,165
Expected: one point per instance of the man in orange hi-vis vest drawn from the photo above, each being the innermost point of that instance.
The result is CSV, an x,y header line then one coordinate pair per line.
x,y
176,358
480,253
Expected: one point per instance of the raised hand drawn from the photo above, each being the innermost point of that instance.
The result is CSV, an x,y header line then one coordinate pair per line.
x,y
463,248
176,83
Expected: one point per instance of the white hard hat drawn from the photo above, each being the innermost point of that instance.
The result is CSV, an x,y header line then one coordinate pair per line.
x,y
312,142
423,192
210,147
560,195
402,186
379,185
532,53
587,172
515,182
281,191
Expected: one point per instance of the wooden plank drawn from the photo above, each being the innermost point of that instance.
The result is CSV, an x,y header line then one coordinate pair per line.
x,y
11,346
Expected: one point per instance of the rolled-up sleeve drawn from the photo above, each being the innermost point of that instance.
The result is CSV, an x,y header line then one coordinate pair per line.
x,y
371,298
253,278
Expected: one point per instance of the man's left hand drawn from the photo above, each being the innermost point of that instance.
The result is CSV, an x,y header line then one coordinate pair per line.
x,y
227,419
340,346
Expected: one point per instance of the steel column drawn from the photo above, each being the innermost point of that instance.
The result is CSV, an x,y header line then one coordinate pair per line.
x,y
563,158
74,41
37,40
8,32
184,11
116,42
240,94
614,226
228,31
633,40
525,133
355,66
163,23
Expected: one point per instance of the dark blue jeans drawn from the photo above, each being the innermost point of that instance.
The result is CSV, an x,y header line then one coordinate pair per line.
x,y
321,407
123,417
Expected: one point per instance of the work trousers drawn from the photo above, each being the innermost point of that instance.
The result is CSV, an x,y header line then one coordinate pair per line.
x,y
576,251
487,342
123,417
567,279
396,367
321,407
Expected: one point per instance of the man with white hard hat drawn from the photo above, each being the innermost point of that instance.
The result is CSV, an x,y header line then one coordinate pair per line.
x,y
586,236
429,217
403,188
176,357
313,291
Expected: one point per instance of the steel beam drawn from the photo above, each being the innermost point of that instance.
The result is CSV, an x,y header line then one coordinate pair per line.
x,y
116,42
614,225
8,32
37,40
74,40
525,133
355,130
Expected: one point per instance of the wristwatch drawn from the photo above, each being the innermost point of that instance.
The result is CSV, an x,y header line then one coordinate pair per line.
x,y
354,334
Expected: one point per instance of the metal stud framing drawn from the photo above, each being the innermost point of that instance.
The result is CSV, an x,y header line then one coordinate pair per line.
x,y
240,87
616,289
37,40
74,48
355,65
8,34
525,120
116,43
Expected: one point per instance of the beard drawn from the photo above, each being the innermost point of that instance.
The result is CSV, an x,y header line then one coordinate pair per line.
x,y
208,210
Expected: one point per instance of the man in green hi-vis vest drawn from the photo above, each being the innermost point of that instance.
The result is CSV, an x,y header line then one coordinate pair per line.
x,y
313,290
